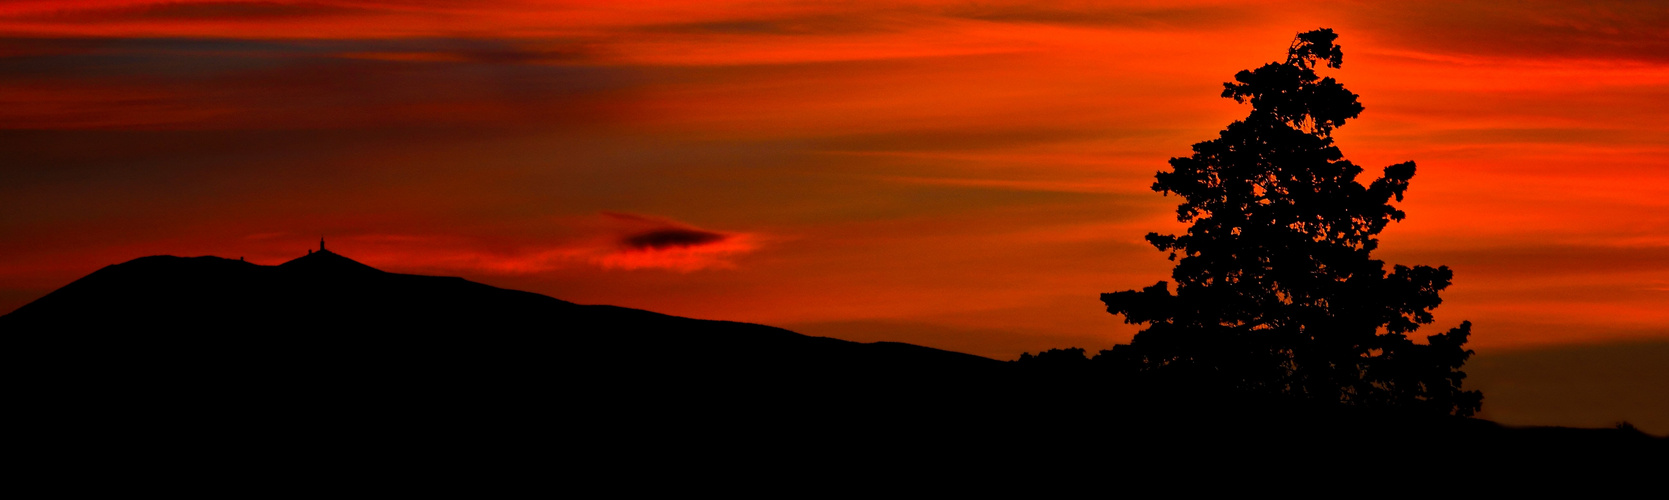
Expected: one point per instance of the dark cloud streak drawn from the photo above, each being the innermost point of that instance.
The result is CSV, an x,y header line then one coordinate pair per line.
x,y
823,24
1605,29
904,18
1101,16
194,11
1552,259
665,238
965,139
185,83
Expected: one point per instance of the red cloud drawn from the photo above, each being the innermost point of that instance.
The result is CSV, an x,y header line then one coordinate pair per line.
x,y
613,241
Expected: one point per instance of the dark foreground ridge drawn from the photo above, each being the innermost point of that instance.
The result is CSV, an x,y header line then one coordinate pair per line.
x,y
323,356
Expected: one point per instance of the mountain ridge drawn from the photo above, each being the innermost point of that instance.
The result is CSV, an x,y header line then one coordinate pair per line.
x,y
351,305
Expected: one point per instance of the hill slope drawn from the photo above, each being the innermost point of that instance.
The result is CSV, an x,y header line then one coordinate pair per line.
x,y
339,315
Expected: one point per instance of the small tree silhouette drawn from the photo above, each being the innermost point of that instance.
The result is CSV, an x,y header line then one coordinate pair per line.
x,y
1275,289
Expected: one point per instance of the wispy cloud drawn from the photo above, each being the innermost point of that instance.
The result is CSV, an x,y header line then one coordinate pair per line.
x,y
1117,16
609,241
1605,29
106,12
658,243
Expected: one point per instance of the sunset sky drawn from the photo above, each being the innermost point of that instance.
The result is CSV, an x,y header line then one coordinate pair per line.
x,y
963,175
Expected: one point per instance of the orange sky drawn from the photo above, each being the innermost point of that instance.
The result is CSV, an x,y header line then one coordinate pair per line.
x,y
965,175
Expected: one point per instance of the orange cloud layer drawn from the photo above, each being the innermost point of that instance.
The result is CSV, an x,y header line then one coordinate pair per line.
x,y
964,166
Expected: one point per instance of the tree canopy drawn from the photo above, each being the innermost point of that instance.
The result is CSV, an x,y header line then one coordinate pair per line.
x,y
1276,291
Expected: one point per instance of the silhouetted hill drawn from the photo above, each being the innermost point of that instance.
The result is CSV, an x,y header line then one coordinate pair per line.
x,y
329,309
222,356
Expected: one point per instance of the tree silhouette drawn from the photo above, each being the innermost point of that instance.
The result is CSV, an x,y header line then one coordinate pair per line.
x,y
1275,290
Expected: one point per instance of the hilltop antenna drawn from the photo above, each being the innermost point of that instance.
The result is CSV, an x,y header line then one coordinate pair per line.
x,y
321,243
